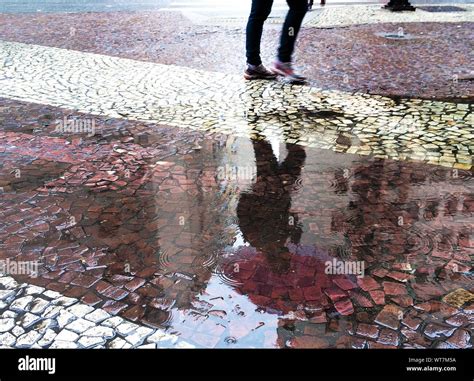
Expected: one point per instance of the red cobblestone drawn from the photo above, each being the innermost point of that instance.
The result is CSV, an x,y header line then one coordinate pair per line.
x,y
391,288
367,330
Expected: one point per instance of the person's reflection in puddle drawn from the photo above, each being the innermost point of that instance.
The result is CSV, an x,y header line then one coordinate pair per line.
x,y
264,213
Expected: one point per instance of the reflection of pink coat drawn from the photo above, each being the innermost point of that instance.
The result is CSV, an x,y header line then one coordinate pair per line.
x,y
293,280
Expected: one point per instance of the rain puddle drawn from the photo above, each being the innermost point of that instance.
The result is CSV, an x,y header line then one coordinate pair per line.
x,y
250,243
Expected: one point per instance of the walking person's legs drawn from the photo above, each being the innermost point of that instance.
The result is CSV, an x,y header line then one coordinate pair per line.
x,y
291,28
259,13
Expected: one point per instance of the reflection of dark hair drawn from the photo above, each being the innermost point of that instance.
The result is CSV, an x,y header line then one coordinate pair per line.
x,y
264,212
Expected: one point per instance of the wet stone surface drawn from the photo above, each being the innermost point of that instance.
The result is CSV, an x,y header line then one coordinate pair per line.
x,y
143,221
188,208
433,132
69,325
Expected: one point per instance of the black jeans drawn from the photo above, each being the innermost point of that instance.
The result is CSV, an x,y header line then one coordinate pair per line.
x,y
259,13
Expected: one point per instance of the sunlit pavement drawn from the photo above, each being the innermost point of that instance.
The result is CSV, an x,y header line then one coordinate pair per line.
x,y
205,211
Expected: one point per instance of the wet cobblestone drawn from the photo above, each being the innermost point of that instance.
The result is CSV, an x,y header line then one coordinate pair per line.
x,y
146,235
434,132
93,256
81,332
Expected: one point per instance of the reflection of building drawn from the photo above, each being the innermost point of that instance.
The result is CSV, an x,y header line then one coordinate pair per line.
x,y
404,208
193,208
163,234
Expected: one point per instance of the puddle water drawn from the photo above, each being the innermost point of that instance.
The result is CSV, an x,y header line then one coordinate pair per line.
x,y
239,242
268,285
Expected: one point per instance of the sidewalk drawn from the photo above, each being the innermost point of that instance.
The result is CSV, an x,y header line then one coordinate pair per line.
x,y
219,103
33,317
335,14
431,62
372,14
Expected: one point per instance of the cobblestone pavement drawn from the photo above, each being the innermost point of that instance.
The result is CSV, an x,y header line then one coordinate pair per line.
x,y
154,224
347,15
177,201
333,14
33,317
435,132
353,58
371,14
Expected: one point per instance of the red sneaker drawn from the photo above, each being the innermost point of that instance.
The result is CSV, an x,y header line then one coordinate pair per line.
x,y
286,69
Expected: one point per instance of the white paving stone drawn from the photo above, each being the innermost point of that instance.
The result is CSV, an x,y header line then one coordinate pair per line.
x,y
138,336
8,282
117,343
160,336
126,328
7,339
31,290
6,324
5,294
52,294
48,338
66,335
28,339
113,322
64,301
29,319
58,344
9,314
97,316
101,332
91,341
45,324
80,325
21,304
38,306
64,318
52,311
18,331
80,310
